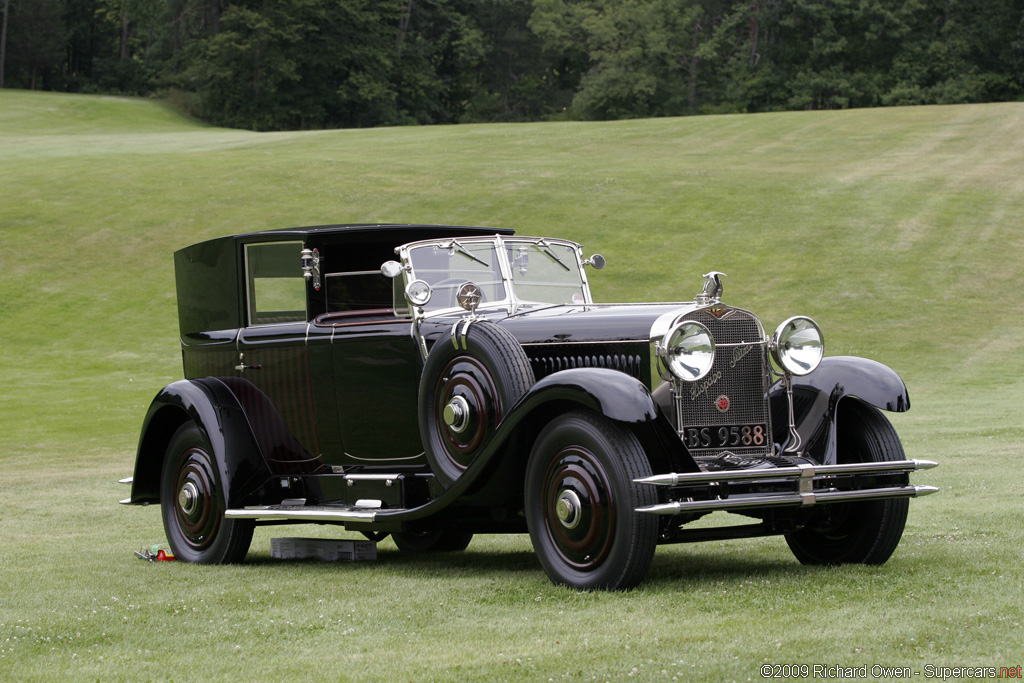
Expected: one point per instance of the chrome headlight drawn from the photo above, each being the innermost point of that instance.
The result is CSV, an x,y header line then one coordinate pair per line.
x,y
689,351
797,345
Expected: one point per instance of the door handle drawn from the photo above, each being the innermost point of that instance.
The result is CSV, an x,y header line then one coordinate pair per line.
x,y
242,367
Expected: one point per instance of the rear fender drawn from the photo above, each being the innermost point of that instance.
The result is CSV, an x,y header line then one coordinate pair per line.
x,y
216,412
816,398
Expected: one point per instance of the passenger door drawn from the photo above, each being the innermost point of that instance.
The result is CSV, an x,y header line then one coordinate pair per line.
x,y
273,369
377,367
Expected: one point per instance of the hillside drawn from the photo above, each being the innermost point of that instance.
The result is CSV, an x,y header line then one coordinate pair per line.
x,y
898,230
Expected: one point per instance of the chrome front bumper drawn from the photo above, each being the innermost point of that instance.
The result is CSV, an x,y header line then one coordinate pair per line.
x,y
796,486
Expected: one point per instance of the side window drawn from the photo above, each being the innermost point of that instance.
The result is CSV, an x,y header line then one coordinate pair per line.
x,y
359,291
276,286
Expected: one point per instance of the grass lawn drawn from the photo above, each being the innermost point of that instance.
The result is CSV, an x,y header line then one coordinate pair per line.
x,y
899,230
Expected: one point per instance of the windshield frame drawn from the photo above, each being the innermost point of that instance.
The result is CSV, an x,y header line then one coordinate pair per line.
x,y
501,246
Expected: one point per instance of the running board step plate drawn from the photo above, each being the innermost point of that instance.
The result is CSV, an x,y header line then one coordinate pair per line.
x,y
308,513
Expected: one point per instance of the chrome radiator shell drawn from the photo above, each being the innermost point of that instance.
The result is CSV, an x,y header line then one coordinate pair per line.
x,y
739,377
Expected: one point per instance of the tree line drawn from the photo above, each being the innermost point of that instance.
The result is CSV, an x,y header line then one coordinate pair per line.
x,y
302,64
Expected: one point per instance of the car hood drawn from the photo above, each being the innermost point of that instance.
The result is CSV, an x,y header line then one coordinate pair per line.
x,y
585,323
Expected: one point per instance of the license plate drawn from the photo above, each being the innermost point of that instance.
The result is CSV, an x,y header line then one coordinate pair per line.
x,y
725,436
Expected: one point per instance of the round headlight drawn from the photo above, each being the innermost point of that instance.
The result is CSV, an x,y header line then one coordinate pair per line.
x,y
418,292
689,351
798,346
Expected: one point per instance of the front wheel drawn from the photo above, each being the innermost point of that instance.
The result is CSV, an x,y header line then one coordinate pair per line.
x,y
864,532
192,503
581,504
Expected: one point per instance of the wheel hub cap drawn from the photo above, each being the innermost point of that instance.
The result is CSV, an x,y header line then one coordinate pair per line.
x,y
456,414
567,509
188,498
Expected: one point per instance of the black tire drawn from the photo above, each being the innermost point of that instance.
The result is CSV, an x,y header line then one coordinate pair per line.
x,y
863,532
489,376
192,503
435,540
581,501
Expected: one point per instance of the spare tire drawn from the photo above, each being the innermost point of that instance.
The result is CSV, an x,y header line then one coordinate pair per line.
x,y
466,392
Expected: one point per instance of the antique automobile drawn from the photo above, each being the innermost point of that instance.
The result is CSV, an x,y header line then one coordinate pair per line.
x,y
435,382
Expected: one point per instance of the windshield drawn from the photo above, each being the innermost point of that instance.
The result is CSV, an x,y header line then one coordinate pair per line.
x,y
447,264
546,272
507,270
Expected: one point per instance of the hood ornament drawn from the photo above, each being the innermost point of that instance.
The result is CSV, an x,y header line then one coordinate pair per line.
x,y
712,293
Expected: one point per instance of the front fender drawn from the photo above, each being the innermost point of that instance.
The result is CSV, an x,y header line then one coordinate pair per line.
x,y
614,394
217,413
816,398
611,393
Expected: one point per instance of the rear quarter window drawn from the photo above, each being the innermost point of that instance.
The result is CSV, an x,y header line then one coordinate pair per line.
x,y
276,286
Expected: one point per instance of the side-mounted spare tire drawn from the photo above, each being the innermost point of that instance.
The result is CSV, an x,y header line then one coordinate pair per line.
x,y
466,392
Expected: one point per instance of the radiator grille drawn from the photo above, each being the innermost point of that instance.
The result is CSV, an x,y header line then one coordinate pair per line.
x,y
741,374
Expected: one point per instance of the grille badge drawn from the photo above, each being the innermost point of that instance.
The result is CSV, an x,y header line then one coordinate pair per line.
x,y
723,403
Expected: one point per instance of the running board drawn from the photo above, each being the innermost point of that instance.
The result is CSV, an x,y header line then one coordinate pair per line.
x,y
307,513
786,499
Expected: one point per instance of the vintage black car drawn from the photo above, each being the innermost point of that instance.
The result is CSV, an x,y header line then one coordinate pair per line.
x,y
435,382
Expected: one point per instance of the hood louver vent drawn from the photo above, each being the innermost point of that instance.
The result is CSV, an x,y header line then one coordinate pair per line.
x,y
544,365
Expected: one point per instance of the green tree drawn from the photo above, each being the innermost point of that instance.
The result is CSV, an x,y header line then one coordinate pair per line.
x,y
957,51
3,39
35,41
297,64
642,57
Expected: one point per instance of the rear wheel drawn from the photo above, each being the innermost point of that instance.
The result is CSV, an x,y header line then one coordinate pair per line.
x,y
192,503
863,532
435,540
581,501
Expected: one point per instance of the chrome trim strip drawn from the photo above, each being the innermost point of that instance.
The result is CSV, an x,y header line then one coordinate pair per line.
x,y
786,499
728,345
796,473
372,477
385,460
585,343
319,515
126,480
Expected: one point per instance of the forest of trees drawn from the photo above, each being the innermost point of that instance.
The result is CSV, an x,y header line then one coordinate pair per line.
x,y
301,64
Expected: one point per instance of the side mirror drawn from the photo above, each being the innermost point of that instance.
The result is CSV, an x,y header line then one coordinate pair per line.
x,y
391,269
596,260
